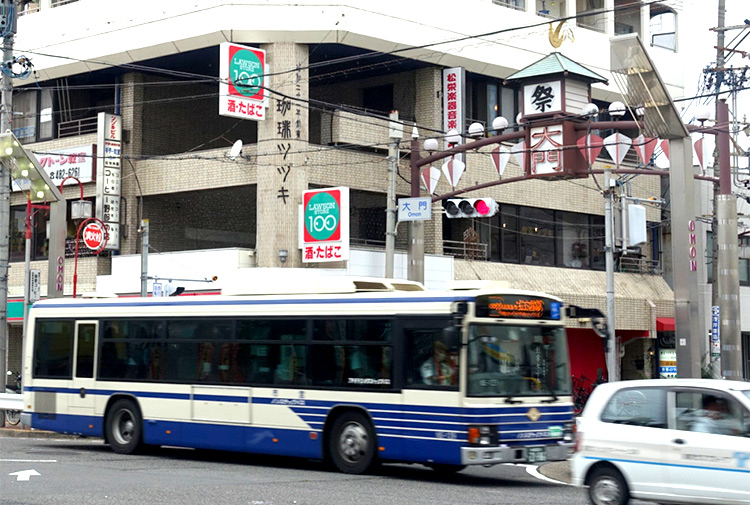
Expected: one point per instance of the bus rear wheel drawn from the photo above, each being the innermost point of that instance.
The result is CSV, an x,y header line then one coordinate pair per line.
x,y
124,427
352,443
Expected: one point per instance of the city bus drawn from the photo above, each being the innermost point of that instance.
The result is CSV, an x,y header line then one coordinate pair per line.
x,y
356,373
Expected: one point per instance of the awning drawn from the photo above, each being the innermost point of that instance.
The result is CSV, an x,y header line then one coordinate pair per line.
x,y
664,324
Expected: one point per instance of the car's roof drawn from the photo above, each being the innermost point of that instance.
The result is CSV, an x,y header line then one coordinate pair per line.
x,y
724,385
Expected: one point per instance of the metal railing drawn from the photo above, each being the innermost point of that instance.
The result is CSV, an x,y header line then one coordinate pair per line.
x,y
77,127
466,250
639,265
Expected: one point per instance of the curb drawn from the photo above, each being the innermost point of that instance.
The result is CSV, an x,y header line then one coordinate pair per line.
x,y
31,433
557,470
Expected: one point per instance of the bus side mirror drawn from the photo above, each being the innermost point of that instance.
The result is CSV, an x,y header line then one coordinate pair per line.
x,y
452,338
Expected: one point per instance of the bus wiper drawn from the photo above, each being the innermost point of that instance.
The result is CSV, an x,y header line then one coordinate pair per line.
x,y
552,392
510,400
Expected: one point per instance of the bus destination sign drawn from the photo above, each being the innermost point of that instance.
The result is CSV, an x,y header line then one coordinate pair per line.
x,y
517,307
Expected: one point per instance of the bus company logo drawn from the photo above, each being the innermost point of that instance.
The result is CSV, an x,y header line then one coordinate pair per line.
x,y
519,308
533,414
287,401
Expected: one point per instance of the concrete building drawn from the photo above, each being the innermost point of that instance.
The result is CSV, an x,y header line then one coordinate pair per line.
x,y
333,74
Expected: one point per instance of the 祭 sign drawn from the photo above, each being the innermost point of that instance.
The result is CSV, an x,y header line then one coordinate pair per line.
x,y
325,225
94,236
242,81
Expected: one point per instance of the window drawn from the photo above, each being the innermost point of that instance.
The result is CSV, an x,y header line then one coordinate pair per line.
x,y
489,99
36,120
707,412
514,4
430,363
537,227
663,27
85,350
378,98
638,407
53,349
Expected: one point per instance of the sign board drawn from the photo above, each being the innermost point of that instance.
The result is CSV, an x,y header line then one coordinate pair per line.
x,y
549,152
415,209
109,144
715,333
325,225
454,102
78,162
157,290
543,98
667,363
94,236
35,285
242,81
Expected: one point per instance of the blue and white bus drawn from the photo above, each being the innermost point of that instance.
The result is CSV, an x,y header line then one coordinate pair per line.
x,y
368,372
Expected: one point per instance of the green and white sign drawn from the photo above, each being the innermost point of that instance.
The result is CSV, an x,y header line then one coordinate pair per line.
x,y
325,225
242,81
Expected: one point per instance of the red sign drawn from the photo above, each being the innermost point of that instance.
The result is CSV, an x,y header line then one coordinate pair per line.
x,y
93,236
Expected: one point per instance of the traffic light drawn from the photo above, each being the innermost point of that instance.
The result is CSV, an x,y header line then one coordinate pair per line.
x,y
470,207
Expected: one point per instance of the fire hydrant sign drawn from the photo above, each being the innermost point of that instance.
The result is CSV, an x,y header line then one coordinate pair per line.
x,y
242,81
325,225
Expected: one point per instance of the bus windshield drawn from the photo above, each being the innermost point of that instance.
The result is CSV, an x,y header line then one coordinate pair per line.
x,y
517,361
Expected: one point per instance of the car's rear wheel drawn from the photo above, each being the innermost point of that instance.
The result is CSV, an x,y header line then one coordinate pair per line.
x,y
608,487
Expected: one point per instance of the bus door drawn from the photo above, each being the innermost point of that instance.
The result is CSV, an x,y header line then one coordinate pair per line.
x,y
82,399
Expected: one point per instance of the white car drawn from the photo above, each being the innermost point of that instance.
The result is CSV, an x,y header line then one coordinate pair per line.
x,y
665,440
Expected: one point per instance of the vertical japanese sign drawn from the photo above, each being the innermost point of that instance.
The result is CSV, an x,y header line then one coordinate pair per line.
x,y
548,154
109,175
454,101
325,225
242,81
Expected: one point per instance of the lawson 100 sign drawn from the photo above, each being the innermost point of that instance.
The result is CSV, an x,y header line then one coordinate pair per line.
x,y
325,225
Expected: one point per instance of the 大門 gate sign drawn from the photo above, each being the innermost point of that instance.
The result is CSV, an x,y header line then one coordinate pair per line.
x,y
242,81
325,225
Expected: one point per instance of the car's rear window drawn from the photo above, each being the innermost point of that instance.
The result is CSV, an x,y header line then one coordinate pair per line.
x,y
637,406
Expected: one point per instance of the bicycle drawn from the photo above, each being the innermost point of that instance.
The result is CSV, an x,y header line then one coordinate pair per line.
x,y
13,417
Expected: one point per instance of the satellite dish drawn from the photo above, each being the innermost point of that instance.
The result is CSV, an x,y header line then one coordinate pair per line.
x,y
235,150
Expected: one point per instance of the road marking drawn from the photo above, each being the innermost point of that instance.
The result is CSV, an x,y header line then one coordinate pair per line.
x,y
25,474
533,470
28,461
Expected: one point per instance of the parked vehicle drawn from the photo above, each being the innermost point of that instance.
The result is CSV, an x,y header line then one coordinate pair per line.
x,y
13,417
666,440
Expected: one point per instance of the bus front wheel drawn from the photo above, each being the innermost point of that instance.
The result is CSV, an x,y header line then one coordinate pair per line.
x,y
352,443
124,427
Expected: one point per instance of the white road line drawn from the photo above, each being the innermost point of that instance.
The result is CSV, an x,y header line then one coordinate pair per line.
x,y
533,470
28,461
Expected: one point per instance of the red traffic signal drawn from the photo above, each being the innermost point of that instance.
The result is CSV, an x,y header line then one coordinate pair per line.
x,y
470,207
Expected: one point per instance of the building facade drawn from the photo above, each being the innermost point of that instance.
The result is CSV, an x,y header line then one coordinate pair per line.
x,y
332,75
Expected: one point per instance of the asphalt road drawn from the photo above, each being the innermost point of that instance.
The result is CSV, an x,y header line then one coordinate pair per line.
x,y
58,471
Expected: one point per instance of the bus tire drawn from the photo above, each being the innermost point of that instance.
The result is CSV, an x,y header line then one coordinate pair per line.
x,y
352,443
124,427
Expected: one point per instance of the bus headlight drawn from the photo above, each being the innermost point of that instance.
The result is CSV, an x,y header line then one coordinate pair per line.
x,y
483,435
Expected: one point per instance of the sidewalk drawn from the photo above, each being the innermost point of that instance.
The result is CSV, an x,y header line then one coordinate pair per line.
x,y
19,431
557,470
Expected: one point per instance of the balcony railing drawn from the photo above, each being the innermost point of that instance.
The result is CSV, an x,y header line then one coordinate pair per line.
x,y
639,265
466,250
77,127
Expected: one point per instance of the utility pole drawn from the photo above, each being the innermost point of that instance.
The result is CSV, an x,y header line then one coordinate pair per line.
x,y
144,257
716,357
609,239
9,28
395,132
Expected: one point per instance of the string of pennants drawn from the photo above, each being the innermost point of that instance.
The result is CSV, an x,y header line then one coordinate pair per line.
x,y
617,145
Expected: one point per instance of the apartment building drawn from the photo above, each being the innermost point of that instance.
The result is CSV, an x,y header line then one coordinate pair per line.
x,y
333,73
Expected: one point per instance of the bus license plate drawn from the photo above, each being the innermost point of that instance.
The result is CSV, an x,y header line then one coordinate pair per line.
x,y
536,454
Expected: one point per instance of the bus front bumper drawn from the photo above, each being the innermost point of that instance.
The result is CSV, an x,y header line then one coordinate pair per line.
x,y
515,454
